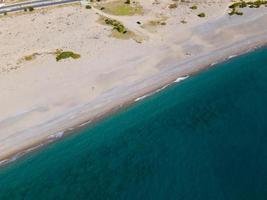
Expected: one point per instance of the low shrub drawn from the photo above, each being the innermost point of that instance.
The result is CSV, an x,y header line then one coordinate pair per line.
x,y
201,15
66,54
31,8
173,5
243,4
194,7
116,25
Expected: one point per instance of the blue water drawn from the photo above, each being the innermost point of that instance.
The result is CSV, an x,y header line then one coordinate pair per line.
x,y
203,139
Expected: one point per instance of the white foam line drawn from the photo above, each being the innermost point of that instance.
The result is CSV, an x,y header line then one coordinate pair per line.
x,y
179,79
149,94
140,98
20,154
232,56
158,90
33,148
2,162
56,135
212,64
15,157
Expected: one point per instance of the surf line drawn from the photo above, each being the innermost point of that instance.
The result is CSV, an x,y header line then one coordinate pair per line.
x,y
179,79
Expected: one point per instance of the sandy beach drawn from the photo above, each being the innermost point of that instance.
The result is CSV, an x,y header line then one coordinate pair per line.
x,y
41,98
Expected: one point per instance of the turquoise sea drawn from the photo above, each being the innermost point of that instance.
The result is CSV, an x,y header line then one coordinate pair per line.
x,y
202,139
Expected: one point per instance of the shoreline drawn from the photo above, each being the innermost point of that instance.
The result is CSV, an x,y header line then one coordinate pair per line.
x,y
43,100
82,124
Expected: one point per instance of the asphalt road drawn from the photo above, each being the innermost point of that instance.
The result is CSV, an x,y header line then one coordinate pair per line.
x,y
34,4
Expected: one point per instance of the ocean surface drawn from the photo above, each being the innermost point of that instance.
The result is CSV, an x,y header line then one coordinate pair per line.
x,y
202,139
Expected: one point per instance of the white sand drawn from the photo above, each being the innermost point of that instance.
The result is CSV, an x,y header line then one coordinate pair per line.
x,y
41,97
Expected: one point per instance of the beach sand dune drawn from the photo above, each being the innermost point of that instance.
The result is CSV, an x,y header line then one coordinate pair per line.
x,y
40,97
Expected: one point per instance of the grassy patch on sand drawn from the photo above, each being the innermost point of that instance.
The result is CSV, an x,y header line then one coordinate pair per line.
x,y
121,8
153,25
243,4
156,22
118,26
31,57
60,55
119,31
28,58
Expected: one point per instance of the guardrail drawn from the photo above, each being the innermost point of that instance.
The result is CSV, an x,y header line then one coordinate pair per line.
x,y
33,4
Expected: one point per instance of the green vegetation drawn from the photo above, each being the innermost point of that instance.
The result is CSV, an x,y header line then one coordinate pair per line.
x,y
88,7
156,22
29,9
121,8
243,4
152,25
28,58
119,31
250,4
66,54
201,15
116,25
194,7
234,11
31,57
173,5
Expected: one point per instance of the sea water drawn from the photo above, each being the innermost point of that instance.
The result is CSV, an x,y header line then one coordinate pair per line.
x,y
202,139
